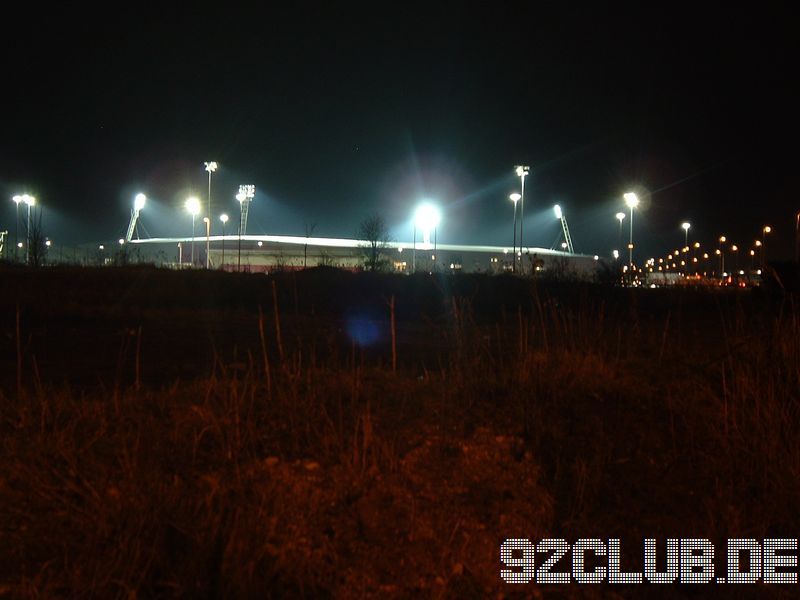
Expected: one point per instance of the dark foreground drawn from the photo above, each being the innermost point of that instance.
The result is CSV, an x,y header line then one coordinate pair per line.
x,y
212,435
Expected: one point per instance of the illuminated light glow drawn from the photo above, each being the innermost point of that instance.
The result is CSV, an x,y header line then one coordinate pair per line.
x,y
19,244
697,244
121,241
767,229
615,254
224,218
685,226
620,216
193,206
211,166
427,218
596,257
734,247
758,243
260,244
631,199
705,255
722,239
101,247
399,248
48,243
557,211
515,197
521,170
139,201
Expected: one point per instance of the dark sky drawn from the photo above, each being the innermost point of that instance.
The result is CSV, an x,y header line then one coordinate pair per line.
x,y
337,113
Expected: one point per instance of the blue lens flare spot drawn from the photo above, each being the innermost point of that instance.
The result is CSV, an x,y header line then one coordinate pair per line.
x,y
363,330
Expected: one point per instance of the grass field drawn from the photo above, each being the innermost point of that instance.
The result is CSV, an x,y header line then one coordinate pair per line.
x,y
329,434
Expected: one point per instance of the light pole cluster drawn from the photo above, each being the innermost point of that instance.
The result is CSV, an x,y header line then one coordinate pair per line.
x,y
522,171
29,201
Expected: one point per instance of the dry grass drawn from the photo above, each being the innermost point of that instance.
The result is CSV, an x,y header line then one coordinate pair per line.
x,y
306,470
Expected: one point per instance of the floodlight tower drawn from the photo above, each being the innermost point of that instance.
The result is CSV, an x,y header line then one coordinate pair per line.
x,y
567,238
138,204
211,166
245,196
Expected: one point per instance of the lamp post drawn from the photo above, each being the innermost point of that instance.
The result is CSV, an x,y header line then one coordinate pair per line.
x,y
193,207
207,222
685,226
515,197
632,200
211,166
522,171
224,218
620,217
721,253
767,229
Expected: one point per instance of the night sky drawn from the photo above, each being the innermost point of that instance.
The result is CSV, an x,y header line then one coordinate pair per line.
x,y
338,113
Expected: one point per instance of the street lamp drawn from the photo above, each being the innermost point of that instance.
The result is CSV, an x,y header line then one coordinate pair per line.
x,y
193,207
224,218
522,171
210,167
515,197
767,229
632,200
620,217
721,253
685,227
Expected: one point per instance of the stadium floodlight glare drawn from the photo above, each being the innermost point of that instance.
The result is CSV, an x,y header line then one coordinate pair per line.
x,y
138,205
427,218
557,211
631,199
